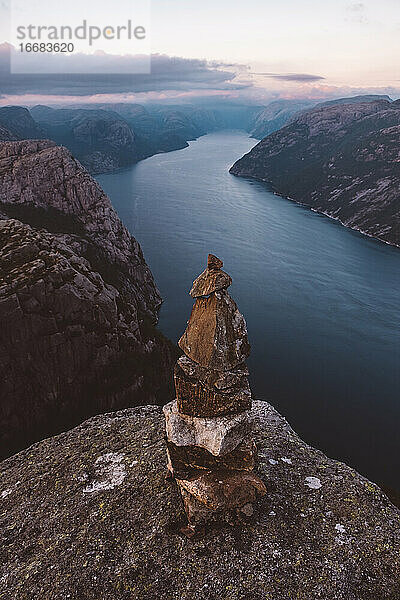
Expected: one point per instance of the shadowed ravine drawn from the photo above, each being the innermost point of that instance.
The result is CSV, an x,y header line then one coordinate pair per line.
x,y
321,301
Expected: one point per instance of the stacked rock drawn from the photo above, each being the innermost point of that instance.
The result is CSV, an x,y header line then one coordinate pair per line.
x,y
210,451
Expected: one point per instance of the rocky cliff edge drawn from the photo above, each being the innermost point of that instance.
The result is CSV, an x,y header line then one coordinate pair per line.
x,y
78,302
88,515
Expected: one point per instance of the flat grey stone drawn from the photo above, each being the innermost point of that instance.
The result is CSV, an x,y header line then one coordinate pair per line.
x,y
218,435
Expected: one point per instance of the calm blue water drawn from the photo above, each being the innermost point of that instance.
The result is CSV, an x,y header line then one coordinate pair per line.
x,y
321,301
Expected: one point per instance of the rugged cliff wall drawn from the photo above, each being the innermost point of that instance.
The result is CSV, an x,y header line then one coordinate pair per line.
x,y
16,123
88,515
101,140
279,113
78,303
341,160
276,115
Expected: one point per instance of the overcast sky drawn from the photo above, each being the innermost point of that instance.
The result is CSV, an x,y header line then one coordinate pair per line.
x,y
261,48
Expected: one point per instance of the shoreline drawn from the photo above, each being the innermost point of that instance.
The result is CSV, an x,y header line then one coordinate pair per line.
x,y
315,210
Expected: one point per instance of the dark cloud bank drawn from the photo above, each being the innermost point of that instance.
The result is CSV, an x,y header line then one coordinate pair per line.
x,y
167,73
300,77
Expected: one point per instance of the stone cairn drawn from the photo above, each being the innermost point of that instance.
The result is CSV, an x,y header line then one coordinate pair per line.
x,y
210,451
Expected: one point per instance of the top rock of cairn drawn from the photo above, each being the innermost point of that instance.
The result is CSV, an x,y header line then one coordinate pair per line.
x,y
216,334
211,280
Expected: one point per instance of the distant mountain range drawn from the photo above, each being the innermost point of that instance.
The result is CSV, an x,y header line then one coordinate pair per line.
x,y
342,159
107,137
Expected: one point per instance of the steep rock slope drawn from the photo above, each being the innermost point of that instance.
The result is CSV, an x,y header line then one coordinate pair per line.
x,y
109,136
88,515
77,301
6,135
101,140
18,121
275,115
105,137
44,176
148,128
279,113
341,160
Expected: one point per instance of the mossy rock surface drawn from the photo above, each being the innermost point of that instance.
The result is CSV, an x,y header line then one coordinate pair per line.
x,y
88,515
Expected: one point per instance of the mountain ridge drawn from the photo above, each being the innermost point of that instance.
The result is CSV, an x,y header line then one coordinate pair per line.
x,y
340,160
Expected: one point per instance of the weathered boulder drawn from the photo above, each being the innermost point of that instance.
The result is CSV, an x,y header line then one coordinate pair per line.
x,y
226,381
87,515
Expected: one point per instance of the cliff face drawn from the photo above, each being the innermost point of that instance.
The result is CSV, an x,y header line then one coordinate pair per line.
x,y
101,140
341,160
279,113
113,136
18,122
77,301
89,515
276,115
149,129
6,135
38,174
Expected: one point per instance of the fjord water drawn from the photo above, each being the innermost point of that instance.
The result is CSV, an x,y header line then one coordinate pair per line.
x,y
321,301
